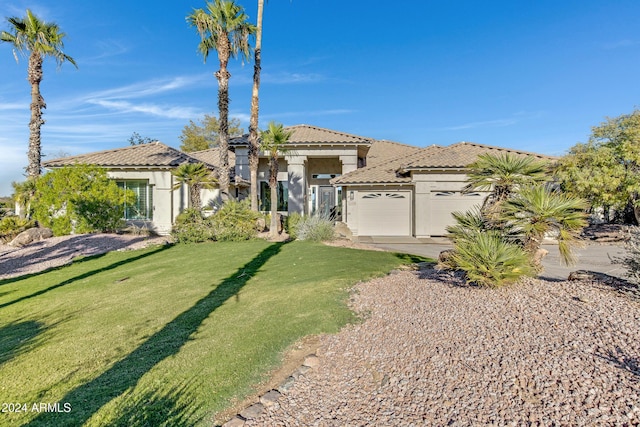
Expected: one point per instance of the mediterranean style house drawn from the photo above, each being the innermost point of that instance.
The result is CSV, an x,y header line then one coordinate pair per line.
x,y
376,187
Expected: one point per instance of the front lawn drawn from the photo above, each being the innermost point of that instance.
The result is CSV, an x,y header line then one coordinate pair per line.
x,y
166,335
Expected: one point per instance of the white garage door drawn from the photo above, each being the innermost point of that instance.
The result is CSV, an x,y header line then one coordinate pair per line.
x,y
443,203
384,213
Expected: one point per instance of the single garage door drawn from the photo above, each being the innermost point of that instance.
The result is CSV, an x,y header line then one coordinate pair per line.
x,y
385,213
443,203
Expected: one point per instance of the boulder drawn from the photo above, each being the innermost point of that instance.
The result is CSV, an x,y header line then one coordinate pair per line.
x,y
31,235
445,260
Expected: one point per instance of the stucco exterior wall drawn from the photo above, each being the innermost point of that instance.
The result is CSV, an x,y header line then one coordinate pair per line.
x,y
167,204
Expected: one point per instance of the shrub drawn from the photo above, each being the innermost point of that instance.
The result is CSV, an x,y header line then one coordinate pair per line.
x,y
11,226
192,227
315,228
488,260
79,199
631,260
291,224
234,221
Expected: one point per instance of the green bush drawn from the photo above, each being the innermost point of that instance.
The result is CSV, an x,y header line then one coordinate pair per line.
x,y
631,260
488,260
192,227
11,226
315,228
291,224
79,199
234,221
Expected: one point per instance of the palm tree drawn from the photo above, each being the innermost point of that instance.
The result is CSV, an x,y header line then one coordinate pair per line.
x,y
40,39
254,145
197,177
23,194
502,174
536,211
273,141
223,27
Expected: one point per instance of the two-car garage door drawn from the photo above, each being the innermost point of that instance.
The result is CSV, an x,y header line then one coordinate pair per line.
x,y
389,213
384,213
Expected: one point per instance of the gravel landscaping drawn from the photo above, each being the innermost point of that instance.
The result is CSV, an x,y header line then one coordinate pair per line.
x,y
433,351
59,251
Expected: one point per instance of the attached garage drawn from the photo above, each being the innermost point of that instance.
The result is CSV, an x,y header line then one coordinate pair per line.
x,y
443,203
384,213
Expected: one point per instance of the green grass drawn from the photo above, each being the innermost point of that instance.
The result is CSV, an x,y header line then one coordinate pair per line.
x,y
167,335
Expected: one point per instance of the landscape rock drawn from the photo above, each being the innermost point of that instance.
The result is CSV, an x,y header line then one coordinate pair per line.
x,y
235,422
435,351
31,235
252,411
270,398
311,361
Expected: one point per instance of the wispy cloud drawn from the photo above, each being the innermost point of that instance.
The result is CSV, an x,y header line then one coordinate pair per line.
x,y
483,124
496,123
148,88
310,113
7,106
152,109
620,44
292,78
106,49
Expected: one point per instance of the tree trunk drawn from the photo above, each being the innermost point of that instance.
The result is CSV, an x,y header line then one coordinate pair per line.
x,y
254,148
34,76
223,75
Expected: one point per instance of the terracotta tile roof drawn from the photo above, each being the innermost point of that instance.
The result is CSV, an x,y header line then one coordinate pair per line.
x,y
153,154
306,134
381,151
212,156
381,173
458,156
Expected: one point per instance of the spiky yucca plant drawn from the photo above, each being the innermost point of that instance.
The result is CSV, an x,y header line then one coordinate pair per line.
x,y
488,260
537,211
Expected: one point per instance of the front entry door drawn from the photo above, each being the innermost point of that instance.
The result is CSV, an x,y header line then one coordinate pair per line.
x,y
326,201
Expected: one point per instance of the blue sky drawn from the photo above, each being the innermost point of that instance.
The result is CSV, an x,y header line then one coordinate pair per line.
x,y
532,75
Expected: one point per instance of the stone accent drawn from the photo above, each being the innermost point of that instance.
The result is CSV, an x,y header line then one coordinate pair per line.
x,y
234,422
311,361
31,235
270,398
253,411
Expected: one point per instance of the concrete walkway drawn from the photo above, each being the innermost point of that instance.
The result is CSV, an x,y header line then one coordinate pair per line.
x,y
593,257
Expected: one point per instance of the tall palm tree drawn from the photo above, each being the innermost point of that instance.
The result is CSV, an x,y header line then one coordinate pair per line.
x,y
273,141
40,39
197,177
223,27
254,144
536,211
502,174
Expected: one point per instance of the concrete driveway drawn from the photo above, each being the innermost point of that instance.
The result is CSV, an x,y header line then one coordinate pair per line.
x,y
593,257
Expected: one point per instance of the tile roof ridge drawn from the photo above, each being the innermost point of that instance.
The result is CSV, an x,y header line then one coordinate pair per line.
x,y
504,149
351,135
110,150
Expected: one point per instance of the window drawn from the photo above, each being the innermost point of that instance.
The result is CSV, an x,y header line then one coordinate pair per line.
x,y
265,196
142,208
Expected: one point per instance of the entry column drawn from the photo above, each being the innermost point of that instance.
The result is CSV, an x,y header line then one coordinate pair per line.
x,y
297,183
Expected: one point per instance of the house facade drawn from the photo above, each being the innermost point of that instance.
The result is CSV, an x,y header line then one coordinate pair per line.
x,y
377,188
146,169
